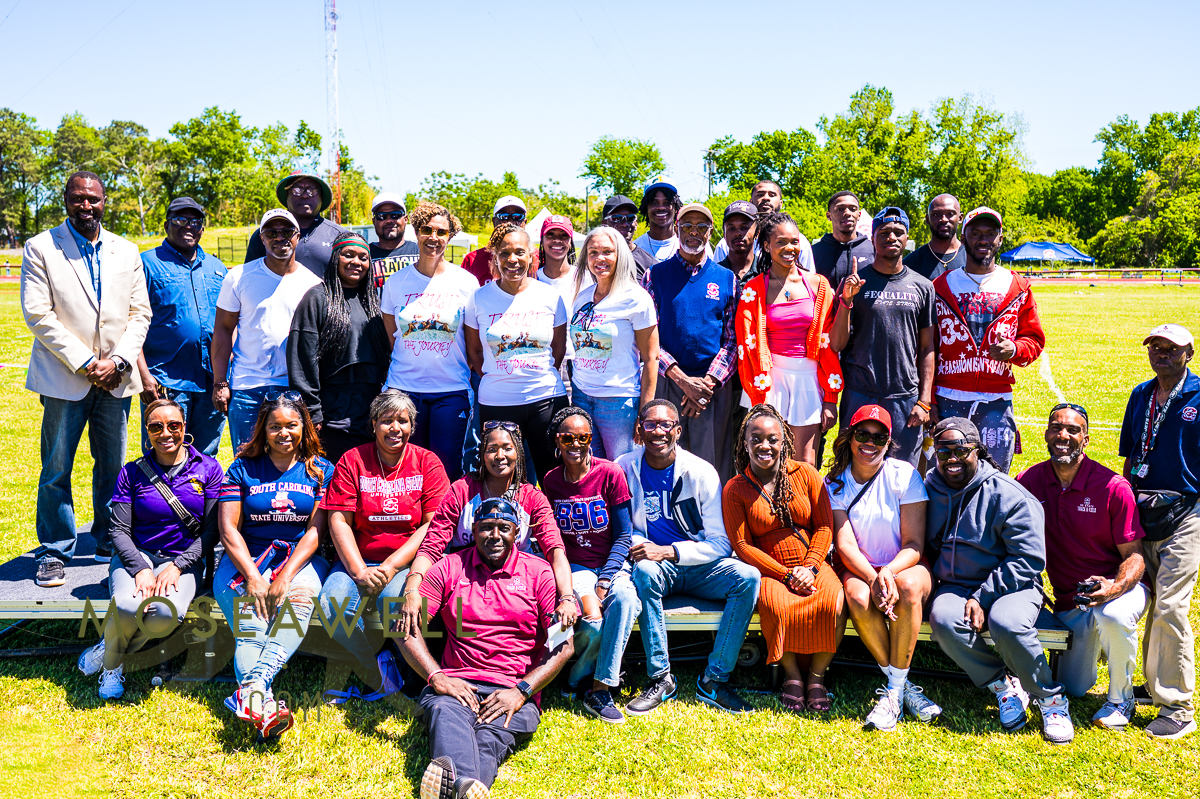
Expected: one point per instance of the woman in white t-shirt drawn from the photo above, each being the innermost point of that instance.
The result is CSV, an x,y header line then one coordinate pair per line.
x,y
423,310
879,536
516,336
614,333
557,268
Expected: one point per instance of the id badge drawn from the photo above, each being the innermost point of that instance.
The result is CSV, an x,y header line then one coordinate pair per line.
x,y
1141,470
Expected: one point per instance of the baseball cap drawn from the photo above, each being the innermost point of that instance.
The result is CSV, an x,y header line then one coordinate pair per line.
x,y
741,207
185,203
558,222
868,413
509,200
388,197
278,213
660,184
889,214
1176,334
618,201
497,508
281,188
694,207
983,211
965,427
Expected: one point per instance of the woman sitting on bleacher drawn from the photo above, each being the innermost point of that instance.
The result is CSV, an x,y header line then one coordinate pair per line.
x,y
271,524
879,508
164,523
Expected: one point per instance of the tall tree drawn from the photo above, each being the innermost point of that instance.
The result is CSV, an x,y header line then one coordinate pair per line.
x,y
622,166
22,148
133,160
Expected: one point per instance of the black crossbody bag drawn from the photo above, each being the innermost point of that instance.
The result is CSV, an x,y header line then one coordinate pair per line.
x,y
185,516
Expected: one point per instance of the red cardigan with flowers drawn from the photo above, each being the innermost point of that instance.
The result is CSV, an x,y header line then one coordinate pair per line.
x,y
754,358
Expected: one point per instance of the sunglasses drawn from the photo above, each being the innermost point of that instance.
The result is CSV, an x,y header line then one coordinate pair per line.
x,y
652,425
1079,409
156,428
517,217
878,439
571,439
186,221
511,427
690,229
300,191
621,219
961,453
289,395
583,317
279,233
429,230
382,215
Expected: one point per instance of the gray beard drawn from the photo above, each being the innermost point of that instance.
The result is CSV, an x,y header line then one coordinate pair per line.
x,y
1067,460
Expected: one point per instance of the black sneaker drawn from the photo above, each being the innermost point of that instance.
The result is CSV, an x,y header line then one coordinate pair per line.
x,y
600,704
438,780
655,694
721,696
569,691
103,554
468,788
1169,729
50,572
1142,695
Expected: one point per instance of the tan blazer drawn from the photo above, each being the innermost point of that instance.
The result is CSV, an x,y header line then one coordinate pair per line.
x,y
67,323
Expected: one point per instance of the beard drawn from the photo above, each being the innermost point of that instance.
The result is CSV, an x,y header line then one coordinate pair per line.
x,y
691,250
1066,459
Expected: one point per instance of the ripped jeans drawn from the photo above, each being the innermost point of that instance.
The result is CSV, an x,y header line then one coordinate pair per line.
x,y
258,658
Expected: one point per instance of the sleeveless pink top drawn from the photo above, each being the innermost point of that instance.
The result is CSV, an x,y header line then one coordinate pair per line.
x,y
787,326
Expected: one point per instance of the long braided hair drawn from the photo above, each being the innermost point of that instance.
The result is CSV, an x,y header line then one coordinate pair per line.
x,y
767,225
781,496
518,442
335,333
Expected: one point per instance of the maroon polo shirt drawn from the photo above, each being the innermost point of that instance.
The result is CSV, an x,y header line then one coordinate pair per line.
x,y
1084,524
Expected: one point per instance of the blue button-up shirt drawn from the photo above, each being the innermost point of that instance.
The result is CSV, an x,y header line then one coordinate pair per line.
x,y
183,299
91,256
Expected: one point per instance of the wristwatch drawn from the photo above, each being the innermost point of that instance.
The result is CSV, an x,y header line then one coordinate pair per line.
x,y
121,364
525,688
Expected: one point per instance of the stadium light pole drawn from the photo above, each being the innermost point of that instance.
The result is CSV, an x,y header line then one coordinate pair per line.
x,y
331,108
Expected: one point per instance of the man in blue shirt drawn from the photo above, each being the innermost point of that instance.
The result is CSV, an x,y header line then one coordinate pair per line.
x,y
183,282
1160,442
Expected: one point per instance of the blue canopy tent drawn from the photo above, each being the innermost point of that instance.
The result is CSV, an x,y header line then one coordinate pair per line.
x,y
1046,251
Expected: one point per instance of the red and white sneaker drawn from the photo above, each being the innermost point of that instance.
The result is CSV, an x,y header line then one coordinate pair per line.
x,y
276,719
248,701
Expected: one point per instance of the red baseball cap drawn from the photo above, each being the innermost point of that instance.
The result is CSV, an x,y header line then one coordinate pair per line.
x,y
560,222
872,413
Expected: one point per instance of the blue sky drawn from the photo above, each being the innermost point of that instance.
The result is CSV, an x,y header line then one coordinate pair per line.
x,y
474,87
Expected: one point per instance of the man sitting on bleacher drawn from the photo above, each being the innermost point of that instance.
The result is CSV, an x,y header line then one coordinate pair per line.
x,y
985,537
680,547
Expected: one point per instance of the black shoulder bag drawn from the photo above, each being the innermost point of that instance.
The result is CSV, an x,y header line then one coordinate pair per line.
x,y
185,516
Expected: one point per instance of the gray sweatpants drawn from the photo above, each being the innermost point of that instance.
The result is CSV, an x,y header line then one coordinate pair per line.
x,y
996,423
157,619
1011,621
707,435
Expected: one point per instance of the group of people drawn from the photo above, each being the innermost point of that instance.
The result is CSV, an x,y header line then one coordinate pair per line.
x,y
546,439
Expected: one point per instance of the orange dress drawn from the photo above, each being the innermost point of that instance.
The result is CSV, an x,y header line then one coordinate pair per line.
x,y
790,622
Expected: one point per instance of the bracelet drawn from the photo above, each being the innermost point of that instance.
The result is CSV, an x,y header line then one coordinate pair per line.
x,y
925,406
412,593
220,385
433,674
563,599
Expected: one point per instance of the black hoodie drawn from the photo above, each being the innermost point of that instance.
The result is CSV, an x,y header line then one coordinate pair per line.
x,y
832,258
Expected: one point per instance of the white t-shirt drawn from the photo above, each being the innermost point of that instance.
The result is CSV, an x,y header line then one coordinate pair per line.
x,y
982,301
517,332
806,256
565,286
876,517
429,354
264,303
662,250
607,361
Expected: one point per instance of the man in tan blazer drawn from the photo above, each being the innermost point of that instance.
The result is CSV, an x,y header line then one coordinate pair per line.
x,y
83,293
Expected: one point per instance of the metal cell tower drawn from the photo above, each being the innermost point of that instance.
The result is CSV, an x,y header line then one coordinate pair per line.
x,y
331,108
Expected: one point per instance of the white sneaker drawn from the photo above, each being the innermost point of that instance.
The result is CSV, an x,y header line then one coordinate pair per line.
x,y
1056,719
112,683
1115,715
248,701
1014,703
919,706
886,713
92,660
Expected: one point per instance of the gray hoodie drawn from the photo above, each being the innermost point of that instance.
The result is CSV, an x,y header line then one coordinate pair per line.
x,y
987,538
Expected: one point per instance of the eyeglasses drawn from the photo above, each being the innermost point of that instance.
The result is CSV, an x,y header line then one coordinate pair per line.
x,y
186,221
878,439
279,233
653,425
1079,409
689,229
621,219
429,230
583,317
961,452
511,427
382,215
288,394
571,439
156,428
514,217
300,191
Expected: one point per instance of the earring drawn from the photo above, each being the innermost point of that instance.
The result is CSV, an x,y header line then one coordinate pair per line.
x,y
189,439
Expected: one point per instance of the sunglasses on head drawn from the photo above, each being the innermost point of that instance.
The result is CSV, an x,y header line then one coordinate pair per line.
x,y
287,394
1079,409
571,439
961,452
511,427
382,215
429,230
862,436
666,425
156,428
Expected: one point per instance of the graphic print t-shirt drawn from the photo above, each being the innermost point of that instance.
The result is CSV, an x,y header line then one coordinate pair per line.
x,y
429,353
583,510
607,361
275,505
661,529
888,314
385,263
980,301
517,331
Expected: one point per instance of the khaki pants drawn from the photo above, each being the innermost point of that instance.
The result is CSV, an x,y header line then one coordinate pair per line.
x,y
1172,565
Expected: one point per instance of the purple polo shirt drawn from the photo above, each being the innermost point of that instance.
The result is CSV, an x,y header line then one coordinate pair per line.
x,y
155,527
1084,524
509,610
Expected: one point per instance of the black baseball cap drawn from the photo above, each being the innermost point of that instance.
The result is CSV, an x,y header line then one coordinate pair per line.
x,y
741,207
183,203
618,201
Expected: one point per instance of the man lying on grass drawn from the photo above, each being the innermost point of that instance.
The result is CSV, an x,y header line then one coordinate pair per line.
x,y
498,606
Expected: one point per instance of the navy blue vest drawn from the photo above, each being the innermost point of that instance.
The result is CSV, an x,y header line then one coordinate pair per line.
x,y
691,310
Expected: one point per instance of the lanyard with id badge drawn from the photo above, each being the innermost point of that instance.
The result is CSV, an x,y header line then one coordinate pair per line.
x,y
1159,511
1154,420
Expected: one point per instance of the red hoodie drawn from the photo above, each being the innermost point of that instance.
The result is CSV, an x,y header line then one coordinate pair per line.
x,y
963,364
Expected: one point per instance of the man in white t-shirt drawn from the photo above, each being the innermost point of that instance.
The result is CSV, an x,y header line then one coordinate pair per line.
x,y
987,321
257,300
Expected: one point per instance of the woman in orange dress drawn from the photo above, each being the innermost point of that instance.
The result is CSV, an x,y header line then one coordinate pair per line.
x,y
779,520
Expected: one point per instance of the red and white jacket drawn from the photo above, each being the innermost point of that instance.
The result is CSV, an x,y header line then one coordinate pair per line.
x,y
963,363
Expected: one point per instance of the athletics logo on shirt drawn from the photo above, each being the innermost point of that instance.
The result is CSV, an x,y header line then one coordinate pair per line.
x,y
1189,414
714,291
1087,506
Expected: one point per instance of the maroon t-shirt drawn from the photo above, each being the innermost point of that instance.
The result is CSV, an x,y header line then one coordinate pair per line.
x,y
583,510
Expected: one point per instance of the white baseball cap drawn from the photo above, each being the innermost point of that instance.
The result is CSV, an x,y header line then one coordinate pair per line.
x,y
277,213
509,200
1176,334
388,197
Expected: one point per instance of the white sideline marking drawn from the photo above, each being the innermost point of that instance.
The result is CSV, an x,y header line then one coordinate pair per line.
x,y
1048,376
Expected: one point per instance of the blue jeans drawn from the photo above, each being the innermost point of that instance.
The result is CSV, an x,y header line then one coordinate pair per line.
x,y
243,413
614,417
600,645
204,422
260,657
474,436
340,586
107,418
442,421
726,578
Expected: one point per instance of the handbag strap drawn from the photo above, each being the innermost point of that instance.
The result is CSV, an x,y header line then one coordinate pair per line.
x,y
863,490
156,480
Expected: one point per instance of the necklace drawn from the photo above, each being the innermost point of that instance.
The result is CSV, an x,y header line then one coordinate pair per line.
x,y
939,260
978,283
383,468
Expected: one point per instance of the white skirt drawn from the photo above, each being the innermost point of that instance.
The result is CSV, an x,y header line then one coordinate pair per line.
x,y
795,391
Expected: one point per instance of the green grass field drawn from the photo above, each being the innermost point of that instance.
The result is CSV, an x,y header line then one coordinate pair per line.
x,y
58,739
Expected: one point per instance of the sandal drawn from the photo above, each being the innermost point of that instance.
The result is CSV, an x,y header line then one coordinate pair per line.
x,y
821,703
792,696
